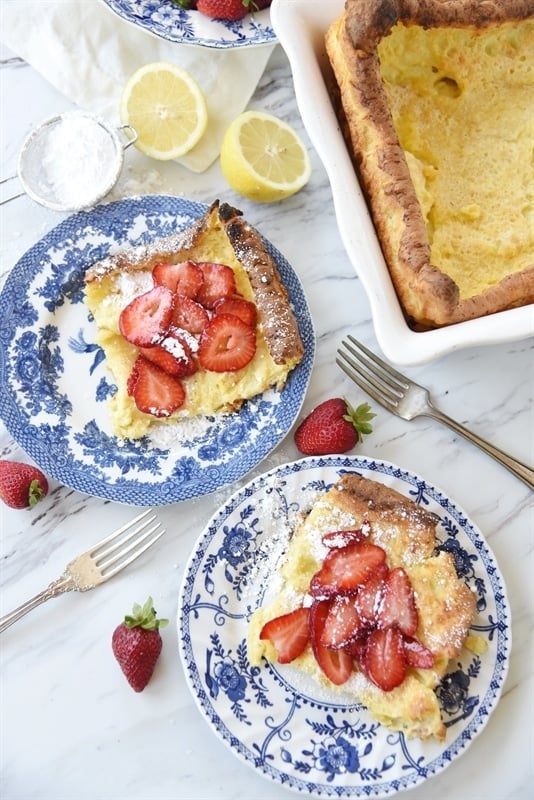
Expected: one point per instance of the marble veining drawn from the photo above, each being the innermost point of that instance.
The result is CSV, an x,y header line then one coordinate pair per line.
x,y
70,726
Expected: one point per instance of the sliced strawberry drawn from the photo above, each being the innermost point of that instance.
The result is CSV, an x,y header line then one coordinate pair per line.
x,y
239,307
226,344
384,661
345,568
173,355
133,378
289,634
145,320
189,315
417,655
398,603
356,647
153,390
337,665
219,281
342,538
162,357
185,278
370,594
342,623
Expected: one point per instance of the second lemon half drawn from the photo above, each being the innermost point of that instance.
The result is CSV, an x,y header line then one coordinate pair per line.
x,y
167,109
263,158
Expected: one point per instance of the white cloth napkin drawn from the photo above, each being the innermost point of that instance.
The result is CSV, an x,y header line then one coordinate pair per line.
x,y
87,52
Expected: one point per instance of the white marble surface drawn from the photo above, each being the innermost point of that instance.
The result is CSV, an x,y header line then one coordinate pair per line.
x,y
70,725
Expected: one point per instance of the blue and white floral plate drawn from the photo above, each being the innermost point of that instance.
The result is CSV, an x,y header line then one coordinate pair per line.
x,y
168,21
277,720
54,383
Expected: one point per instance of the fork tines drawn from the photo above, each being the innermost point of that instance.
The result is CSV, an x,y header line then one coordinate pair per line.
x,y
126,544
370,373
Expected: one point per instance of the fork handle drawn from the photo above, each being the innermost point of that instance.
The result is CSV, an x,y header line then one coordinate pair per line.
x,y
520,470
56,588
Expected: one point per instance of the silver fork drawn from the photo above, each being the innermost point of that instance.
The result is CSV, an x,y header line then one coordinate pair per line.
x,y
98,564
408,400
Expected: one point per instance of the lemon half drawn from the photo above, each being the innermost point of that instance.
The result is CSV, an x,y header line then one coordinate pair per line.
x,y
263,158
167,109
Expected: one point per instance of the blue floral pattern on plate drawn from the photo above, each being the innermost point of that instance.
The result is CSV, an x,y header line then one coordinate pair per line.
x,y
277,720
168,21
54,383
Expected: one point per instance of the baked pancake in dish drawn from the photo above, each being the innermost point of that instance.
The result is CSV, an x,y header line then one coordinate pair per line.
x,y
367,606
435,102
192,324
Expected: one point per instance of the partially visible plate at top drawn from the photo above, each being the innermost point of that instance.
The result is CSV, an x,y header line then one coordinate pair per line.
x,y
168,21
277,720
54,383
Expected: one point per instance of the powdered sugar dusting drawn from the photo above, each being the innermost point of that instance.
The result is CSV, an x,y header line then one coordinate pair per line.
x,y
184,429
174,346
190,340
127,286
272,548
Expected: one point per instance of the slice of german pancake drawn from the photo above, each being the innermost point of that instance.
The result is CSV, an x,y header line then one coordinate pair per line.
x,y
418,602
220,239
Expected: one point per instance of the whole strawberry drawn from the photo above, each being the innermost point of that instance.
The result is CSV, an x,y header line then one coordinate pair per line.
x,y
137,644
224,9
333,427
21,485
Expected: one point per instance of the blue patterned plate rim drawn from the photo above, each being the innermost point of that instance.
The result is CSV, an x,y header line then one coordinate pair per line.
x,y
168,21
54,383
276,720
